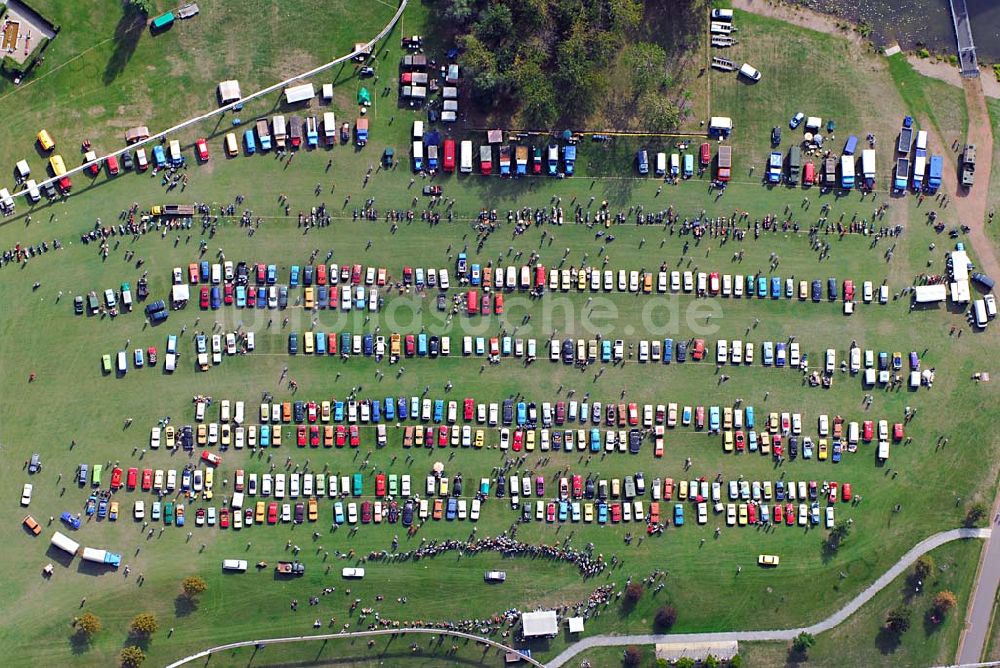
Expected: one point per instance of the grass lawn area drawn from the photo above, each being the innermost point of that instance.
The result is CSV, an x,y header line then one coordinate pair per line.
x,y
70,400
993,228
860,640
931,100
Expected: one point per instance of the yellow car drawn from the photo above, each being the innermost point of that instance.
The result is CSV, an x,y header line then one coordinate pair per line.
x,y
324,411
742,515
309,299
113,511
682,490
529,442
227,434
258,515
202,434
823,447
170,435
727,442
588,512
480,437
276,435
772,423
313,510
768,560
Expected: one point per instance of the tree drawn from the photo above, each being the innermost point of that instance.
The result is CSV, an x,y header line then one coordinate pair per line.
x,y
711,662
944,602
144,625
132,656
142,5
976,514
665,618
684,662
802,642
460,11
88,624
658,112
625,15
535,90
736,661
193,585
648,64
632,656
924,567
495,24
633,593
898,620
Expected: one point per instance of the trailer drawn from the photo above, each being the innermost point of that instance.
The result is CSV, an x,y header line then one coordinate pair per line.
x,y
264,134
902,174
521,159
723,64
830,172
418,156
868,168
65,543
111,559
505,160
174,151
296,94
935,173
432,157
465,164
361,131
724,169
295,131
312,134
905,137
278,125
846,172
486,159
290,568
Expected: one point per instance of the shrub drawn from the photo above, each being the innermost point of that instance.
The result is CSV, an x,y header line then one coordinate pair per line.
x,y
924,567
193,585
665,618
944,602
898,620
144,625
633,593
132,656
975,515
632,656
88,624
923,53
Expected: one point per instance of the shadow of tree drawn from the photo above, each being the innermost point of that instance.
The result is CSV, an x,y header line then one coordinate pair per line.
x,y
184,606
79,642
127,33
887,641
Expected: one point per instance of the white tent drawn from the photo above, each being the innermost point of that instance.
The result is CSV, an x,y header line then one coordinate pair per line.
x,y
960,292
301,93
925,294
180,294
229,91
814,123
575,624
959,265
540,623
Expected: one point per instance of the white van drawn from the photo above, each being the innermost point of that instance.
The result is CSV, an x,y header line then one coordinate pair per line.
x,y
750,72
465,164
418,130
122,362
979,313
33,194
234,565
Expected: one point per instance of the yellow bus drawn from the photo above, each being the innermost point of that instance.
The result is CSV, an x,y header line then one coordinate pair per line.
x,y
57,165
45,140
232,148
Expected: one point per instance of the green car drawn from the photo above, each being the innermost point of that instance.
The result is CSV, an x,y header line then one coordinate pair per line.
x,y
357,485
393,484
106,364
168,512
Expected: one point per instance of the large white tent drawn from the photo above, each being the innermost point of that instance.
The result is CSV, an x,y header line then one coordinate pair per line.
x,y
540,623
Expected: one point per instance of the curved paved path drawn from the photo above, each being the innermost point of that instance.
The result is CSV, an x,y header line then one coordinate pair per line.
x,y
830,622
353,634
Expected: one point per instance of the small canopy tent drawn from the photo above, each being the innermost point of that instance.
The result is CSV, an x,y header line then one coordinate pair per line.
x,y
364,97
229,91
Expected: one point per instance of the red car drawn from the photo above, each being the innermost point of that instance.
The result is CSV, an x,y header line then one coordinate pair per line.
x,y
699,417
314,436
713,283
201,147
193,273
116,478
355,438
740,441
633,414
356,274
366,512
752,513
321,274
130,480
272,513
897,431
311,414
616,512
261,274
778,513
252,295
577,486
845,492
227,294
224,518
341,435
331,341
147,479
498,304
699,350
211,457
518,441
869,430
203,301
550,512
442,436
411,346
469,407
848,291
789,514
407,275
300,438
380,485
151,355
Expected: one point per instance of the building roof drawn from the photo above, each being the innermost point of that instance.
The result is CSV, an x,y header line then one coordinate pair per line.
x,y
540,623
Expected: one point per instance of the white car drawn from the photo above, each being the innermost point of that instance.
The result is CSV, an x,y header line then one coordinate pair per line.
x,y
831,360
866,292
991,305
139,509
154,437
26,494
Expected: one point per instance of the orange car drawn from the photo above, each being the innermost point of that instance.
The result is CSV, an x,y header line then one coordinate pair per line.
x,y
32,525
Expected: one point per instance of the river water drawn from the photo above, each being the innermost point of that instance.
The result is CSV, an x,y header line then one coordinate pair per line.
x,y
924,22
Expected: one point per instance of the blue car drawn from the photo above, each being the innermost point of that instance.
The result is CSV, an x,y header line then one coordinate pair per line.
x,y
261,298
293,343
320,343
713,418
272,274
71,520
762,286
422,345
265,435
241,296
338,411
438,410
779,490
522,413
602,513
338,512
216,297
775,287
595,440
668,350
390,409
563,511
749,417
750,284
323,297
752,441
294,278
605,350
452,511
203,270
376,412
250,142
401,405
679,514
368,344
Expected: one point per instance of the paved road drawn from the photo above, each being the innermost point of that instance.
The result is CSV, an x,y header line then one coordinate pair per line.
x,y
342,636
830,622
972,206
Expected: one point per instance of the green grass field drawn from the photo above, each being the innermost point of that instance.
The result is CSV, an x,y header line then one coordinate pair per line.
x,y
71,401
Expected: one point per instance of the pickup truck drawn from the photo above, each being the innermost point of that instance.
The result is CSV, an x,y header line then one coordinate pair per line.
x,y
290,568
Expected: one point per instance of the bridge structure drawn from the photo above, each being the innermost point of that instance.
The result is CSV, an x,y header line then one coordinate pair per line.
x,y
963,33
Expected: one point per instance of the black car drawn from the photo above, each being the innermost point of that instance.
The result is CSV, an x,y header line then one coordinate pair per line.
x,y
442,302
682,351
567,351
187,437
408,514
831,289
508,411
300,512
282,296
501,486
793,447
456,487
78,304
435,346
366,71
242,276
817,290
775,135
299,411
634,441
127,162
307,275
293,343
588,490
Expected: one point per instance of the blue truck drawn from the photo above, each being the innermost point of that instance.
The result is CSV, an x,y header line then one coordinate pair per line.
x,y
935,174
